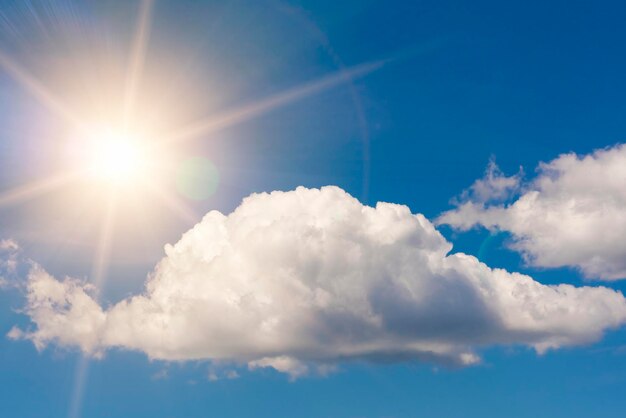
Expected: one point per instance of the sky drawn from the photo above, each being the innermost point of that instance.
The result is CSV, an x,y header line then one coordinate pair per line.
x,y
312,208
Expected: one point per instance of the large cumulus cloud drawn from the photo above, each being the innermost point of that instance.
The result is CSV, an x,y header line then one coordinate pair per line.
x,y
309,278
572,214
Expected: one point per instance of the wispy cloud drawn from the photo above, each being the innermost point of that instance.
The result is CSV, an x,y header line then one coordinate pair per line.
x,y
9,262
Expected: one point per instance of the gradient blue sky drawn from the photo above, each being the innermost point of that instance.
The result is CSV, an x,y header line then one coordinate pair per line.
x,y
521,82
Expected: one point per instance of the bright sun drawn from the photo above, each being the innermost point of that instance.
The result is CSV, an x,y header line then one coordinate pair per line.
x,y
116,158
113,157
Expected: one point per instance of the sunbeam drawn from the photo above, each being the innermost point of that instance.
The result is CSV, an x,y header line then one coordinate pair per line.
x,y
100,264
103,248
184,212
80,379
38,90
252,110
137,58
36,188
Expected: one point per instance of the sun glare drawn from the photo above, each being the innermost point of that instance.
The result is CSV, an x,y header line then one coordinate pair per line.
x,y
113,158
116,158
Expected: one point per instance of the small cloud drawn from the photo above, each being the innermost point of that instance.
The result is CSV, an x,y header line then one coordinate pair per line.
x,y
326,369
15,334
231,374
215,375
9,245
10,263
284,364
160,375
493,187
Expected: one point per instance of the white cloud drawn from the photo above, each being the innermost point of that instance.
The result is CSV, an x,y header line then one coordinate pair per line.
x,y
9,254
293,367
8,245
303,280
64,312
572,214
494,186
214,375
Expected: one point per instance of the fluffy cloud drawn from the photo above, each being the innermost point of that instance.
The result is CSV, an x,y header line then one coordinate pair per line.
x,y
302,280
572,214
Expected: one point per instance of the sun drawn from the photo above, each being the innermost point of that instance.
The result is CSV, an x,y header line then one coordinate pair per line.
x,y
113,157
116,158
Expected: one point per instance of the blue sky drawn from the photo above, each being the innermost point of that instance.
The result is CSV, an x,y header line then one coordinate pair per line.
x,y
462,84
